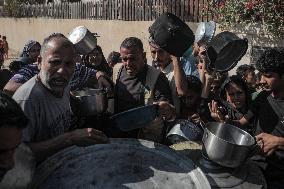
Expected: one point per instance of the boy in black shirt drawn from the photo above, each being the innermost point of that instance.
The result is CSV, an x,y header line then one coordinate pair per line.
x,y
268,109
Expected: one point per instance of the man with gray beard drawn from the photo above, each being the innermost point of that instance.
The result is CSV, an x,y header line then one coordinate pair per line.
x,y
46,102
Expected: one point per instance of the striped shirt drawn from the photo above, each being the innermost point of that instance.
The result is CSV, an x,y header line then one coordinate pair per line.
x,y
79,78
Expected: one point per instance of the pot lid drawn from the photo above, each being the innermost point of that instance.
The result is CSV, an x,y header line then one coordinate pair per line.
x,y
123,163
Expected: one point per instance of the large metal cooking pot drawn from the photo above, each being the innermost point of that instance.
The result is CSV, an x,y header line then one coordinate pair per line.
x,y
91,101
120,164
229,49
171,34
227,145
83,39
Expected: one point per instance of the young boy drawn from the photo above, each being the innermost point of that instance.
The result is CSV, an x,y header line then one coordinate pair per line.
x,y
268,109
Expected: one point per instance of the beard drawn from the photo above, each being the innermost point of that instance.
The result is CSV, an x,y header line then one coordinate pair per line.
x,y
55,84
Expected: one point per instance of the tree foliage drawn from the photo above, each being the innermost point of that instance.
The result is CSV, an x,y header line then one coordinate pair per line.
x,y
269,14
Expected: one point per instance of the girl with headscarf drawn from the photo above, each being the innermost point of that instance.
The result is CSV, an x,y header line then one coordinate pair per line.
x,y
234,101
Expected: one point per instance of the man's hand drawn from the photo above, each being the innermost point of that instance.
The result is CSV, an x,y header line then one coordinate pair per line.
x,y
105,82
174,59
88,136
269,143
167,111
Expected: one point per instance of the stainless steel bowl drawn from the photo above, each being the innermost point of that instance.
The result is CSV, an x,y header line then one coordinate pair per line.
x,y
184,130
227,145
205,32
83,39
91,101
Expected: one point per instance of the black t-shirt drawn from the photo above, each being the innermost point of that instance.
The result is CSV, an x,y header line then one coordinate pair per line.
x,y
5,76
269,114
130,90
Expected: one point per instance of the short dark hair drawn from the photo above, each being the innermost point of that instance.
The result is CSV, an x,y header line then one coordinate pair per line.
x,y
194,84
271,60
114,57
132,42
54,36
11,114
243,69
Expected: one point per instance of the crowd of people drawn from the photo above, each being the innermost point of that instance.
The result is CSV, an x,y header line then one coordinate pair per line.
x,y
36,107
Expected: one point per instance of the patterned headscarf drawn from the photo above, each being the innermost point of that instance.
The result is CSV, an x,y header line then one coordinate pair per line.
x,y
29,44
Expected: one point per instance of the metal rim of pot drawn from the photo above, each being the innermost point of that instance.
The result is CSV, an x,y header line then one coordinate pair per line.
x,y
99,92
246,133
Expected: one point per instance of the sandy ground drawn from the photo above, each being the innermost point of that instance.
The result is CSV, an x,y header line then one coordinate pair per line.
x,y
13,55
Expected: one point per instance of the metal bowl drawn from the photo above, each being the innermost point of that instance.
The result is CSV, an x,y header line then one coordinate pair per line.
x,y
83,39
184,130
205,32
91,101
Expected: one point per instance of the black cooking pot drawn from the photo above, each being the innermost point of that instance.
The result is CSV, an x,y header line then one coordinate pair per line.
x,y
171,34
229,49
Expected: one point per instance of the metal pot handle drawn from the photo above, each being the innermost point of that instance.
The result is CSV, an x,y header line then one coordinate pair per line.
x,y
257,148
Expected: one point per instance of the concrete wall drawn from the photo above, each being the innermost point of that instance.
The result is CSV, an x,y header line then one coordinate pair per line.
x,y
112,33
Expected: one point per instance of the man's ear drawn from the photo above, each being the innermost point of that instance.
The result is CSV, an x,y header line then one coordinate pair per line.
x,y
39,61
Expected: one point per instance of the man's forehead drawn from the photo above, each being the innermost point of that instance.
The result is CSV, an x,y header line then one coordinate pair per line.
x,y
131,51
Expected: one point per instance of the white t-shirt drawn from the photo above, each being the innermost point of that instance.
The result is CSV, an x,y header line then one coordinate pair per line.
x,y
49,116
169,72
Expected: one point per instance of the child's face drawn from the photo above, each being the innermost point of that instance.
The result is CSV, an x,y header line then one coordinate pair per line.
x,y
235,95
192,100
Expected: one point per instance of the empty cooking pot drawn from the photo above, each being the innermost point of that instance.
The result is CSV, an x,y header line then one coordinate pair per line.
x,y
228,145
91,101
83,39
171,34
229,49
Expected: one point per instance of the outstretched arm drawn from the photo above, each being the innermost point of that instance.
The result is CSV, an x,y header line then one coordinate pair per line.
x,y
79,137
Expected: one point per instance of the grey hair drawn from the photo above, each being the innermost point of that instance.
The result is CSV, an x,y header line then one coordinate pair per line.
x,y
45,45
